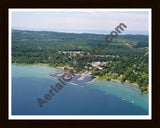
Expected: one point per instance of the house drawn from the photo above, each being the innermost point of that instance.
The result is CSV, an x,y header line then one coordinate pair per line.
x,y
95,64
78,52
100,68
114,74
134,72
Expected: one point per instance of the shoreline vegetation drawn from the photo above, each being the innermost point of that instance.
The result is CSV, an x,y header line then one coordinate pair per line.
x,y
117,80
97,78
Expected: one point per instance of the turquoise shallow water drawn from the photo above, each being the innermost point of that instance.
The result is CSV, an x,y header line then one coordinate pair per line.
x,y
30,82
130,93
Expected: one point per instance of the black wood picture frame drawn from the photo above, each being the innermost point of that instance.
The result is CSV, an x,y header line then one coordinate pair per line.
x,y
6,4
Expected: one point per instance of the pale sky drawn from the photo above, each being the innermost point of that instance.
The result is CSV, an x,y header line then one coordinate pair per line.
x,y
58,19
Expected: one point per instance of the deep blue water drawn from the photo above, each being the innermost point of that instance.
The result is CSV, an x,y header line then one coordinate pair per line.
x,y
29,83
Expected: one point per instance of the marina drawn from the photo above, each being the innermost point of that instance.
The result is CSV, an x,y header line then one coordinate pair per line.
x,y
77,79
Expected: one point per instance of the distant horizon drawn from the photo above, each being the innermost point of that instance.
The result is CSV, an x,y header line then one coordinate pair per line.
x,y
77,31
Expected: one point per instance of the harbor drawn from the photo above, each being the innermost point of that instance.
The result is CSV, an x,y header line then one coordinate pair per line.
x,y
77,79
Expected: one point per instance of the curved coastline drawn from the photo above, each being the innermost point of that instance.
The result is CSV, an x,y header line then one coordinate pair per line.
x,y
126,82
94,80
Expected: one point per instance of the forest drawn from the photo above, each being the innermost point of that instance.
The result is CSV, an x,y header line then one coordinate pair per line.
x,y
126,55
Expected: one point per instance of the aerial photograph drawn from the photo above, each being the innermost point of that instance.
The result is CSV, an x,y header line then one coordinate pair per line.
x,y
79,62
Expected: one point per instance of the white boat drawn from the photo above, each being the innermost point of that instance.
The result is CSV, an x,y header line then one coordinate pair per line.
x,y
123,99
132,102
106,93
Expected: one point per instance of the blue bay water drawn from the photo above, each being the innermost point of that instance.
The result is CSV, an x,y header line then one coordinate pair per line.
x,y
30,82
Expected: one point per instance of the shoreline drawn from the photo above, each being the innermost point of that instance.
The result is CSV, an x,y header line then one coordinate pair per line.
x,y
118,81
94,80
41,64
